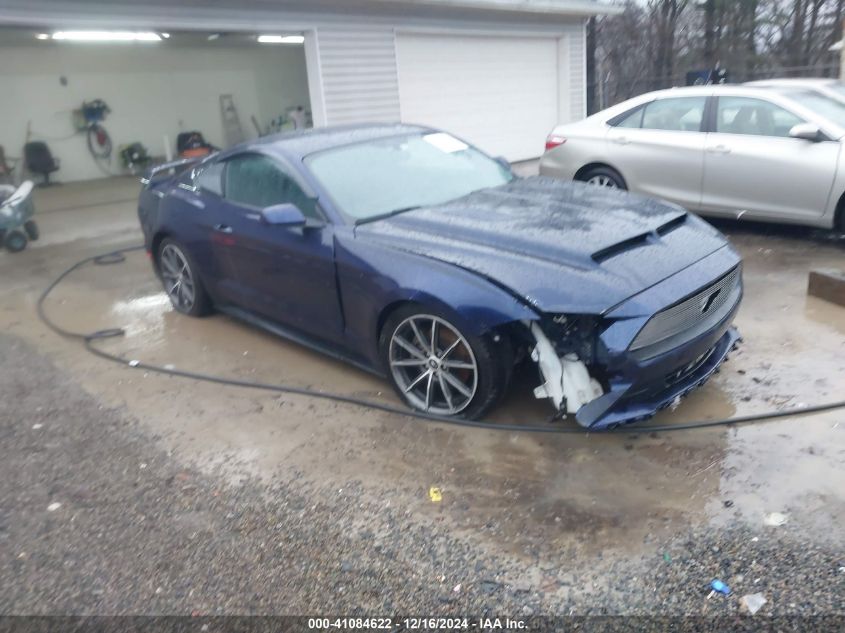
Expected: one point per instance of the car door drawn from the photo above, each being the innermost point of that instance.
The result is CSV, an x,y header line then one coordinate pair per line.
x,y
659,148
753,167
286,274
200,209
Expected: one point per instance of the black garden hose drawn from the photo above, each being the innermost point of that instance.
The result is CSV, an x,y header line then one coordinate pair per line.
x,y
118,256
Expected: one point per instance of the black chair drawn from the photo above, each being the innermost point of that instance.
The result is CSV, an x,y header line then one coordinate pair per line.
x,y
193,144
39,160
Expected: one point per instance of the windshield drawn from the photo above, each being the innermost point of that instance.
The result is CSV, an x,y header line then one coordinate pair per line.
x,y
829,108
837,87
374,178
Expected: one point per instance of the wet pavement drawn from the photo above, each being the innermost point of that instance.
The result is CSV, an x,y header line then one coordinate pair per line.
x,y
528,497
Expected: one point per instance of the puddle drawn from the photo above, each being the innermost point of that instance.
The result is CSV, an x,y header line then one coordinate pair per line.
x,y
528,493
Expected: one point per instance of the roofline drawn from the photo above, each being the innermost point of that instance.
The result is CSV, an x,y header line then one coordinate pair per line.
x,y
292,14
580,8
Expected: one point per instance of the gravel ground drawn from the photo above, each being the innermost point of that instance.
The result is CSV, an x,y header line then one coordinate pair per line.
x,y
95,518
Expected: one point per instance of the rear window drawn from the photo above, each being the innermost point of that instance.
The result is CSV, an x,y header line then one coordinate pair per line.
x,y
676,114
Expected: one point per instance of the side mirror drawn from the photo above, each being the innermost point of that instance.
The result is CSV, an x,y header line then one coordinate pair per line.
x,y
283,215
807,132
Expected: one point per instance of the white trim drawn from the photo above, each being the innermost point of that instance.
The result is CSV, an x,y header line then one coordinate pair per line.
x,y
553,32
314,73
583,70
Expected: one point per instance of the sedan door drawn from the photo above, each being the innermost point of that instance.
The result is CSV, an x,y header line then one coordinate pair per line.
x,y
754,168
659,148
286,274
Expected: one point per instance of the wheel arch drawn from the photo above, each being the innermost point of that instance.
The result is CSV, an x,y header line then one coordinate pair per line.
x,y
155,244
839,214
579,175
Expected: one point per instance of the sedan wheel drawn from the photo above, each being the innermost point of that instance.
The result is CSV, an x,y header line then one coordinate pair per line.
x,y
433,365
602,181
603,176
180,280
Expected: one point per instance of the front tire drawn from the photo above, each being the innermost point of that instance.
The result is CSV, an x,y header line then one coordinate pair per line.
x,y
181,280
604,177
438,369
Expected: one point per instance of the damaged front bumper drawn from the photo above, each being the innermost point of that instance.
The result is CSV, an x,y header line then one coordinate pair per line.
x,y
631,402
637,383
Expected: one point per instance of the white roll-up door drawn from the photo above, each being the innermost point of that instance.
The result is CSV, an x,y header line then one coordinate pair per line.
x,y
499,93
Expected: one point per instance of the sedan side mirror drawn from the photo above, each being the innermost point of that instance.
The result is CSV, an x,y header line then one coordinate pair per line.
x,y
807,132
286,214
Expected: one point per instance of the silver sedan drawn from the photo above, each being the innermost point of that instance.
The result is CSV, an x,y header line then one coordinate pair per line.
x,y
757,153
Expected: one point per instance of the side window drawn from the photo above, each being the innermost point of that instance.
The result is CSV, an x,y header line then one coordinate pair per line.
x,y
632,119
678,114
755,117
257,181
210,178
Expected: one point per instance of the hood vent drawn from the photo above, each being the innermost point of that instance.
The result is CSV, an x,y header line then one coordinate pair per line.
x,y
613,250
672,224
620,247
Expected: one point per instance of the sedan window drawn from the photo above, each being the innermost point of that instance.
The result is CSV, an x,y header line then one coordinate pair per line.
x,y
631,119
754,117
257,181
682,114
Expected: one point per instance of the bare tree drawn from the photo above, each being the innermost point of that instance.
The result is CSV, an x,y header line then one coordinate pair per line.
x,y
653,43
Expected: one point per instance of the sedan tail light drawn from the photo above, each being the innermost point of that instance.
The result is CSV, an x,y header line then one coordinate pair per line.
x,y
554,140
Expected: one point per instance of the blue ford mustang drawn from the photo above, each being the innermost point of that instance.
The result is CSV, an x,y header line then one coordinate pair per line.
x,y
413,254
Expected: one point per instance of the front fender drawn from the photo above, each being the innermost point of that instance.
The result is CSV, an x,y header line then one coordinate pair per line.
x,y
372,279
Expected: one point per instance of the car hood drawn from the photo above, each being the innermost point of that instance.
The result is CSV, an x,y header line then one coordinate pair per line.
x,y
560,246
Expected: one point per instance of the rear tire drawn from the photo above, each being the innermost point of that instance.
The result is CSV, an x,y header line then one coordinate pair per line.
x,y
181,280
460,376
15,241
604,177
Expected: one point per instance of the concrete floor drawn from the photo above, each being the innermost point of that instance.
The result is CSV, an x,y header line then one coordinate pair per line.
x,y
530,496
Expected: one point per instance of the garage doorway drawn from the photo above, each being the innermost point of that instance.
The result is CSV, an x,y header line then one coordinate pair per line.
x,y
156,89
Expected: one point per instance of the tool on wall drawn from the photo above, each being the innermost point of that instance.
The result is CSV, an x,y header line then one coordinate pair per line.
x,y
233,133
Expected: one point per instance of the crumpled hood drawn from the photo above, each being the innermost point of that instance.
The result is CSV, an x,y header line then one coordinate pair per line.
x,y
562,246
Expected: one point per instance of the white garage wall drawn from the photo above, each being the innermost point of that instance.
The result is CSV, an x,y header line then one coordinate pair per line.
x,y
152,90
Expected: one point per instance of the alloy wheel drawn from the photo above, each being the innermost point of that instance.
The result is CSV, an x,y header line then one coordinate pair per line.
x,y
602,181
178,278
433,365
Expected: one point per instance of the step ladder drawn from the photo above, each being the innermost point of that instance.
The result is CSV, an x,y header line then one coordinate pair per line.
x,y
233,133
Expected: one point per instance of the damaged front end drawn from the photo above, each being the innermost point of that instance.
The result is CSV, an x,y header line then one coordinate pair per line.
x,y
564,357
626,365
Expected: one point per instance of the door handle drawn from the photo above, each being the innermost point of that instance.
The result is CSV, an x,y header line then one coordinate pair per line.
x,y
719,149
223,228
621,140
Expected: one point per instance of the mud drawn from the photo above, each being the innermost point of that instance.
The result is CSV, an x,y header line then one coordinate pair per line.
x,y
529,494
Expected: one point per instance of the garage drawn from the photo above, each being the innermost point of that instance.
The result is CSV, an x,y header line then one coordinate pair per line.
x,y
501,93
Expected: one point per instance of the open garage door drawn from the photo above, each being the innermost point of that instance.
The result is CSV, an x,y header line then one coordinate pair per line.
x,y
159,90
500,93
